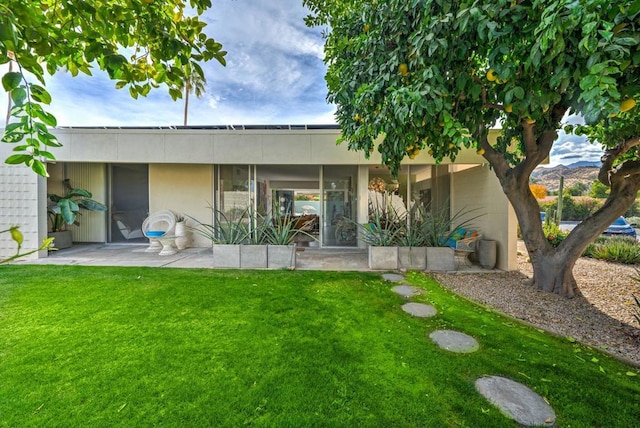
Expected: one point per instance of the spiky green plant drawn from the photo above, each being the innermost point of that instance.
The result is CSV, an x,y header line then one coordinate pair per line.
x,y
225,229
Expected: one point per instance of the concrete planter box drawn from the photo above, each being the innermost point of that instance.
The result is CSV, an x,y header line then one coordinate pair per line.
x,y
226,256
440,259
281,256
412,258
63,239
253,256
383,258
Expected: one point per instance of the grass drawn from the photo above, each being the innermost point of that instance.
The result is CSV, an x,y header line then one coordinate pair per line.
x,y
94,346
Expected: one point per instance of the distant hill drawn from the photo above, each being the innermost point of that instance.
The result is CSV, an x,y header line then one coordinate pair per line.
x,y
583,171
581,164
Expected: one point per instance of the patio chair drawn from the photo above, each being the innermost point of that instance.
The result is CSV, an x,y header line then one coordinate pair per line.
x,y
464,247
159,225
125,230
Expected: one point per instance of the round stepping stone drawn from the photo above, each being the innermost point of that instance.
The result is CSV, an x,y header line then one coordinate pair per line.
x,y
392,277
516,401
406,291
419,310
454,341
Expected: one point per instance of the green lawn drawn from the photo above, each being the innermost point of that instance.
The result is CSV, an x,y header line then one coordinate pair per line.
x,y
95,346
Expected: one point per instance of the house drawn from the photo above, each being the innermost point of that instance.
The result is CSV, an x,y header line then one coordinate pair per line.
x,y
296,169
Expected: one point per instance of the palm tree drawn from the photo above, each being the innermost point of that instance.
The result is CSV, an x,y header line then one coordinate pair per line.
x,y
9,98
193,83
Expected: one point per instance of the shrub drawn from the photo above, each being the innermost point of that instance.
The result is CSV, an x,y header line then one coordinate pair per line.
x,y
634,221
633,210
549,207
623,250
584,207
598,190
553,233
578,189
573,209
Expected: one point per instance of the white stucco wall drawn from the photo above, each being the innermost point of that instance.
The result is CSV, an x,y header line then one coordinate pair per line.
x,y
186,189
477,187
260,147
21,196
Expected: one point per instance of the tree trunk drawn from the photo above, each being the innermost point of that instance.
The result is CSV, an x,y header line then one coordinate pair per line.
x,y
553,273
552,267
187,90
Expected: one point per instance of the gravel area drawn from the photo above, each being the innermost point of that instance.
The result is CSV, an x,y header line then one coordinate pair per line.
x,y
602,316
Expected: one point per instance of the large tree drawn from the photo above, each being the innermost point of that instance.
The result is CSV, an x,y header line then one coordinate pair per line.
x,y
438,74
141,44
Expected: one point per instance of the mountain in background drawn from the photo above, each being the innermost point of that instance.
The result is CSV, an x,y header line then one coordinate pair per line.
x,y
581,164
579,172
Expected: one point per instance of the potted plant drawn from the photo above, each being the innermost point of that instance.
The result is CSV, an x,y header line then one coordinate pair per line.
x,y
253,253
183,237
412,250
279,233
382,234
63,211
440,232
226,234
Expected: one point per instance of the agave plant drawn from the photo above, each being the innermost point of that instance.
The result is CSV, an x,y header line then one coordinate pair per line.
x,y
225,229
412,234
439,228
280,229
382,230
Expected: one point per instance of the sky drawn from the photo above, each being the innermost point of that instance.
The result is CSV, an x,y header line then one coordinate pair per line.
x,y
274,75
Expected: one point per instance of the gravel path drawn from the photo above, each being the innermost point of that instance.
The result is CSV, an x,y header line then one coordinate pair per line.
x,y
602,317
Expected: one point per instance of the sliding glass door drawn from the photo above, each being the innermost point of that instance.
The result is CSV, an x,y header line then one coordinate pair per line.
x,y
339,206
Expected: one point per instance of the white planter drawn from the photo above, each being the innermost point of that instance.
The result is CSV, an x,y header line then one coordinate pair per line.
x,y
226,256
383,258
281,256
412,258
441,259
183,236
253,256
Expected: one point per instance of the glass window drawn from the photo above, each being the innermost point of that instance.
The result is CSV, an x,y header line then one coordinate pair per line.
x,y
339,213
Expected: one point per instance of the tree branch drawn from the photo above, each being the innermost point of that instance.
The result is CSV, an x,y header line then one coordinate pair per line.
x,y
610,156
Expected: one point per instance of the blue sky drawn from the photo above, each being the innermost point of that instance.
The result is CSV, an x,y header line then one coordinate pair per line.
x,y
274,75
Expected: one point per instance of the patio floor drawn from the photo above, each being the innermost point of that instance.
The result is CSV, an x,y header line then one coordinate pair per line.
x,y
337,259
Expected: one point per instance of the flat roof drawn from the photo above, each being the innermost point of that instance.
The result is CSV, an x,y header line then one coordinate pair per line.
x,y
218,127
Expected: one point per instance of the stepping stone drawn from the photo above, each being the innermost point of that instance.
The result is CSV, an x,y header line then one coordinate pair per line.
x,y
454,341
392,277
419,310
516,401
406,291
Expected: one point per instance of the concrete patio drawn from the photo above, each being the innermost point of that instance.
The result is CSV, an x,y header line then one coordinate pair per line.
x,y
337,259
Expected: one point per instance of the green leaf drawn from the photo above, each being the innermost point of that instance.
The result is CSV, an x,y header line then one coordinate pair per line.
x,y
518,92
18,96
40,94
17,159
11,80
39,168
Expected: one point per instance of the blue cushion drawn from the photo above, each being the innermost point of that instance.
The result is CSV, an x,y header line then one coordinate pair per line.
x,y
155,233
